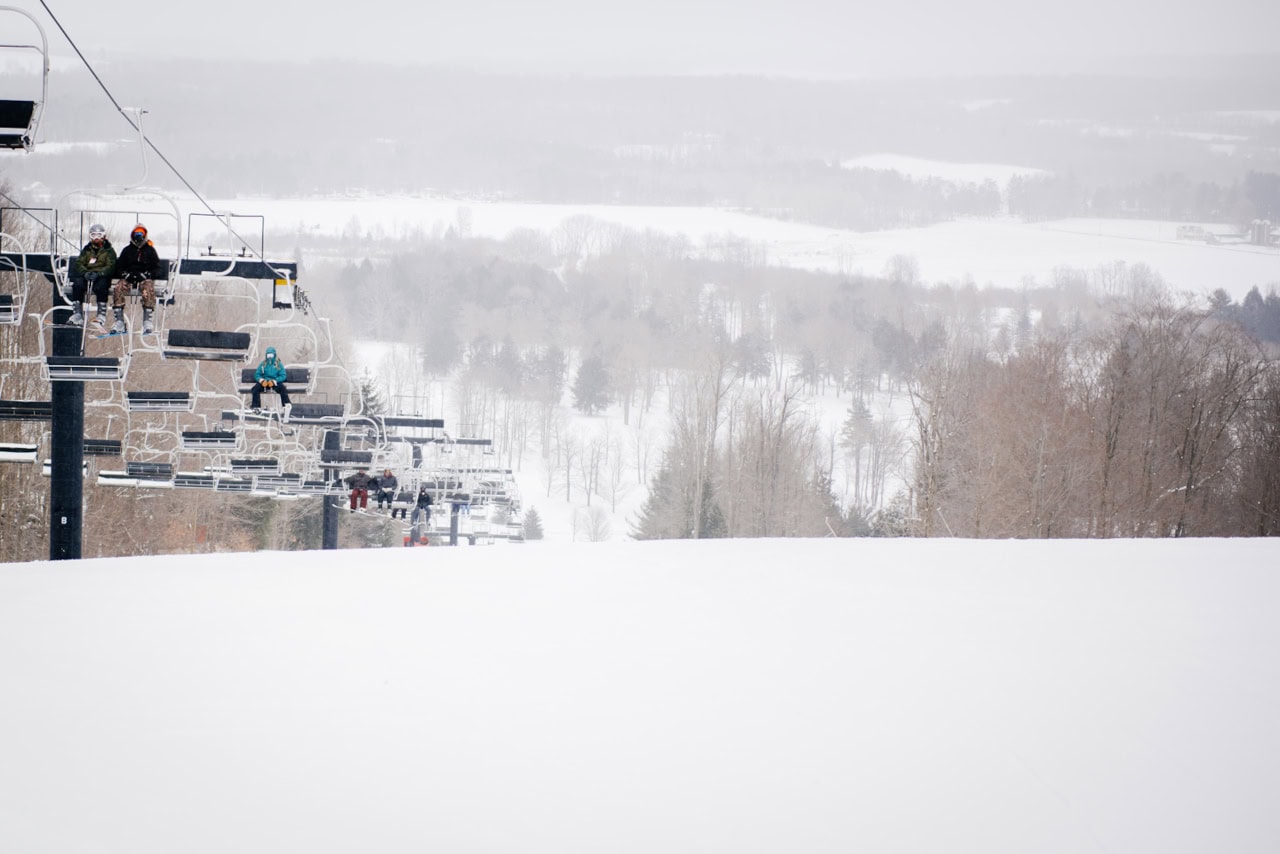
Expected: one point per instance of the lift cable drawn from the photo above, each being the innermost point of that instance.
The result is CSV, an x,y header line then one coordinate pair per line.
x,y
147,139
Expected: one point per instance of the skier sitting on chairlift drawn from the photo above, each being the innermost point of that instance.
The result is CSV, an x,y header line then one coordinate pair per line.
x,y
92,269
387,486
422,509
271,374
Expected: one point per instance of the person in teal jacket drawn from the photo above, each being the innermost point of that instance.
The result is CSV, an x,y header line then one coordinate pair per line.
x,y
271,374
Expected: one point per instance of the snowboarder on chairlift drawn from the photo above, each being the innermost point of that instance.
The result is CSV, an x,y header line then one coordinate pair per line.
x,y
92,269
138,266
359,484
271,374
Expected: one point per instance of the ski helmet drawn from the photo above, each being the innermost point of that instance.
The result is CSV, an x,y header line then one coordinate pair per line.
x,y
139,234
97,231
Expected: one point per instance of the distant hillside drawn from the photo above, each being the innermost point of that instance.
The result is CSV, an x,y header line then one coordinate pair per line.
x,y
767,144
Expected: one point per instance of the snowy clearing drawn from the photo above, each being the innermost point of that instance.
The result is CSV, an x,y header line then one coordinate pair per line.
x,y
988,252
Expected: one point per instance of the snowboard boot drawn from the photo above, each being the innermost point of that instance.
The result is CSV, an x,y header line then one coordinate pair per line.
x,y
147,326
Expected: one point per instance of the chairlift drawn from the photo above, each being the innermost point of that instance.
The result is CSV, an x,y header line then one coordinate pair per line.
x,y
20,117
80,368
103,447
140,473
13,304
193,480
197,298
19,452
233,484
209,440
287,338
239,257
319,488
119,209
255,466
160,401
287,481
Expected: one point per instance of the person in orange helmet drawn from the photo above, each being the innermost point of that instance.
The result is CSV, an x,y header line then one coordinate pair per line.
x,y
138,266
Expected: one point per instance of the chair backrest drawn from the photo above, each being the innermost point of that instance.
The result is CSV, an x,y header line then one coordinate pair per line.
x,y
293,376
15,123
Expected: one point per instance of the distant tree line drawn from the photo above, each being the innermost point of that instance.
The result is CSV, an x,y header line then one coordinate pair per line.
x,y
1258,315
1166,196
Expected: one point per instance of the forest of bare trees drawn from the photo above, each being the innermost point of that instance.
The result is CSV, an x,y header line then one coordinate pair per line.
x,y
1084,407
1158,422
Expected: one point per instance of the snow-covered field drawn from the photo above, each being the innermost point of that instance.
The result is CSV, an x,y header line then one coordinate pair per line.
x,y
1001,252
749,696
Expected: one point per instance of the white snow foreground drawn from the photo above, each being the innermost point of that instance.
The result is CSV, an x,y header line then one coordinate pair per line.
x,y
732,696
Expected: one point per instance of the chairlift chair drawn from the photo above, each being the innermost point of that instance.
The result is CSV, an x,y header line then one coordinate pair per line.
x,y
239,257
20,117
19,452
13,304
80,368
233,345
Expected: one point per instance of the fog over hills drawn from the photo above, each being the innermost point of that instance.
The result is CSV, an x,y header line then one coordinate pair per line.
x,y
802,37
768,144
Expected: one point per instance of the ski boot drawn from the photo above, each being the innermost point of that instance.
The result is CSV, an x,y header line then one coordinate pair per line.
x,y
147,326
117,328
284,415
77,319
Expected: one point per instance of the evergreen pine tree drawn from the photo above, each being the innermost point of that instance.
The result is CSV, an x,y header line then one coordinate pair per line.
x,y
532,525
655,514
591,389
668,512
370,395
714,525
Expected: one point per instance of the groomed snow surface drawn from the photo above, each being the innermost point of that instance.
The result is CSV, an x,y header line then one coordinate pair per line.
x,y
936,696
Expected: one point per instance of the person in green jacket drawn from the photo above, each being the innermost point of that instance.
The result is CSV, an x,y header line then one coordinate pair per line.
x,y
92,268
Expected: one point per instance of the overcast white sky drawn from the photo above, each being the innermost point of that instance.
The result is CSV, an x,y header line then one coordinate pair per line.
x,y
770,36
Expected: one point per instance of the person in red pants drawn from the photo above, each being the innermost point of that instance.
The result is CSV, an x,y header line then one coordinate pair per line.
x,y
359,484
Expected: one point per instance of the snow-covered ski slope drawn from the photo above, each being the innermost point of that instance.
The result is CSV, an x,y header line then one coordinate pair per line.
x,y
737,696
